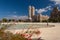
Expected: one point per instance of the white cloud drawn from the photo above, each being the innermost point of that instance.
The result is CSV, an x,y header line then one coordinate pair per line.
x,y
48,6
17,17
56,1
23,17
43,9
14,16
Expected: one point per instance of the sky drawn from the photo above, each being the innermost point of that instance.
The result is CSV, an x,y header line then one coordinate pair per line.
x,y
19,8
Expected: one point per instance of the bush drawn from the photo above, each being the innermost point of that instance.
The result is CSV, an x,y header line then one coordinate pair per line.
x,y
10,36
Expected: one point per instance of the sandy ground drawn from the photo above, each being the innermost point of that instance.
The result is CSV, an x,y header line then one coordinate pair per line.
x,y
50,33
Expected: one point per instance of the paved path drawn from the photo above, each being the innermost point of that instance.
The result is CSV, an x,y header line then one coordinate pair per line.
x,y
52,33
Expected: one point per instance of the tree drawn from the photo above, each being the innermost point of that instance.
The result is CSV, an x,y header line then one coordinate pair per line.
x,y
19,20
4,20
13,20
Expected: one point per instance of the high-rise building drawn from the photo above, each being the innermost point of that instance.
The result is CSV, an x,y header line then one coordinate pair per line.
x,y
33,17
31,12
38,17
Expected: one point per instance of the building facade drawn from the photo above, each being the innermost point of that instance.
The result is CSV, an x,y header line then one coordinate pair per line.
x,y
31,12
35,18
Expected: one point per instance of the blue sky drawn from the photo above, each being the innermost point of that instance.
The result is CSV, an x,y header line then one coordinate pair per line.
x,y
20,7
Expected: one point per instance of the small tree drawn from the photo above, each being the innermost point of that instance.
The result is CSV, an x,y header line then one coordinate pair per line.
x,y
4,20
